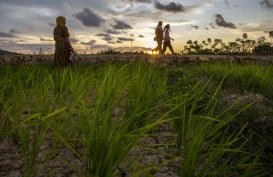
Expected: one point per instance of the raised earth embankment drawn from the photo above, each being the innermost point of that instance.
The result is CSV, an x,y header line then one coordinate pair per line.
x,y
168,59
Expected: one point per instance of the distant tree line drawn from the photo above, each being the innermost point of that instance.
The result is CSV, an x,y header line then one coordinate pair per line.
x,y
241,46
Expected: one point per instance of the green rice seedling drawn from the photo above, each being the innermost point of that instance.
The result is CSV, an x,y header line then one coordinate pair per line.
x,y
101,112
11,96
60,80
246,78
32,131
105,139
205,147
5,89
27,110
108,138
146,90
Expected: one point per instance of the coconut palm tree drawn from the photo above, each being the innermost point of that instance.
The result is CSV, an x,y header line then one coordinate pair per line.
x,y
243,41
245,36
189,42
197,46
216,42
209,42
190,45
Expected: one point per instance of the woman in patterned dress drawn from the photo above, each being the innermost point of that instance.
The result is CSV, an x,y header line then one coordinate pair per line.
x,y
63,47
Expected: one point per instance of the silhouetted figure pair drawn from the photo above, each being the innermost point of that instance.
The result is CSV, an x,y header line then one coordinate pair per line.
x,y
63,48
160,35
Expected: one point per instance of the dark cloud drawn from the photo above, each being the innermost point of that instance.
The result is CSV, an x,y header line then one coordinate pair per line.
x,y
14,31
121,25
141,36
196,27
3,34
110,31
92,42
106,37
119,42
267,4
171,7
206,28
103,35
220,21
89,18
125,39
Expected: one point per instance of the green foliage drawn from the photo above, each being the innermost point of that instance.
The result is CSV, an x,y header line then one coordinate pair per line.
x,y
247,78
205,147
240,46
100,113
263,49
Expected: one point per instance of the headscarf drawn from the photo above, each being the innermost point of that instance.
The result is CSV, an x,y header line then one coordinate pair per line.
x,y
60,20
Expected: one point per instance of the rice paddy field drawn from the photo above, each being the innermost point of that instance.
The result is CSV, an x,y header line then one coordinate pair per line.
x,y
136,120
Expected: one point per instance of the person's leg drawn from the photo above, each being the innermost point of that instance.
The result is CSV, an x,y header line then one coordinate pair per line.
x,y
156,48
168,45
171,48
160,46
164,48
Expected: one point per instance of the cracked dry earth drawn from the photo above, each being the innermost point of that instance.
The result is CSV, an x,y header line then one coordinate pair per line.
x,y
150,157
152,154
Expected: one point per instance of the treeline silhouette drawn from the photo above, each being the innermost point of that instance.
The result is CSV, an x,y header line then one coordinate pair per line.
x,y
240,46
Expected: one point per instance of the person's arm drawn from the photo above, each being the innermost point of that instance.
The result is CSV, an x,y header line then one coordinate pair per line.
x,y
170,37
66,38
69,44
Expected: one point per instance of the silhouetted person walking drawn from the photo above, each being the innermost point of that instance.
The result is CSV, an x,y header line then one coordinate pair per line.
x,y
167,39
63,47
158,37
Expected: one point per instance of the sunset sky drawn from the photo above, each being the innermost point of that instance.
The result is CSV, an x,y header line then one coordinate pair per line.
x,y
95,25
